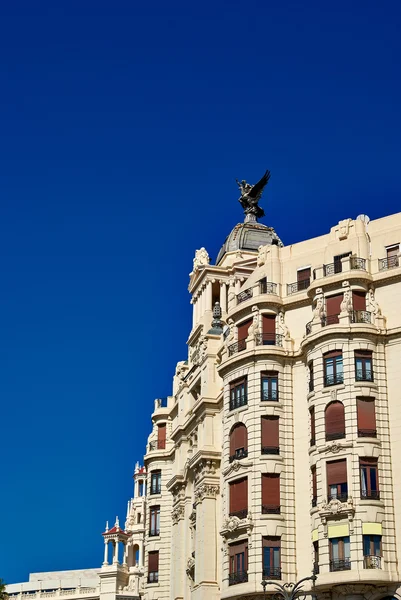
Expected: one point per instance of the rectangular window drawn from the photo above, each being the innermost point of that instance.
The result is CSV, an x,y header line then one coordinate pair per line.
x,y
161,436
270,493
337,487
239,498
366,417
372,551
338,267
339,554
268,330
363,365
314,486
358,300
153,567
316,558
270,435
303,278
238,563
311,377
392,256
333,368
369,479
238,393
155,482
154,520
271,557
312,426
333,308
243,329
269,382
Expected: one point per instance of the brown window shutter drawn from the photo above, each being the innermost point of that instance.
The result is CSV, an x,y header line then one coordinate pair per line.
x,y
336,472
303,274
366,413
312,423
332,354
333,309
314,482
335,418
153,562
393,251
368,462
271,489
239,495
270,431
243,330
161,436
271,542
359,300
269,324
363,354
238,438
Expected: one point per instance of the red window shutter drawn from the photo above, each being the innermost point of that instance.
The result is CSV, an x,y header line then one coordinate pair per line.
x,y
393,251
271,542
238,438
332,354
271,489
270,431
336,472
333,307
239,495
243,330
161,436
335,418
359,300
312,423
366,413
314,482
153,562
303,274
269,324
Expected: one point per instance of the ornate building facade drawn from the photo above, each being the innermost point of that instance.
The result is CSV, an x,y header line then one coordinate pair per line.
x,y
275,455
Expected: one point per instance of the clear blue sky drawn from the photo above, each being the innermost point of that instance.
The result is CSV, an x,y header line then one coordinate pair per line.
x,y
123,126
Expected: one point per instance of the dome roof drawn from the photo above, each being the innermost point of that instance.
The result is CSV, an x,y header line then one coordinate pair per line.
x,y
249,236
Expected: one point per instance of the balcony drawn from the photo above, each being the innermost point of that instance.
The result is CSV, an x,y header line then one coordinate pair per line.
x,y
343,497
340,564
298,286
372,562
153,577
267,287
361,316
337,435
388,263
370,495
367,433
333,379
269,339
161,403
269,396
154,532
239,453
158,445
270,450
241,514
272,572
330,320
363,375
356,263
237,577
332,268
245,295
236,347
270,509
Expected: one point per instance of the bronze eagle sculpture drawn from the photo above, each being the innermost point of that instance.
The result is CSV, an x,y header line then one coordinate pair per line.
x,y
251,194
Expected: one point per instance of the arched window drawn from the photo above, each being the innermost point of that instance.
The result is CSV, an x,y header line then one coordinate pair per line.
x,y
335,421
238,442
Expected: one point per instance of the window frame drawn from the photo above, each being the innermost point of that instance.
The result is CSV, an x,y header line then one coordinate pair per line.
x,y
368,467
337,377
271,379
238,400
271,549
154,520
365,357
344,554
155,482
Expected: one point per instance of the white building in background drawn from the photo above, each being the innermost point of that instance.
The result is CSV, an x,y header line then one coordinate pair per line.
x,y
275,457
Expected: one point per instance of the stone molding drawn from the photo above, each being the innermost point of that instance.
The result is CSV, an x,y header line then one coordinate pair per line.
x,y
335,509
234,524
178,514
206,490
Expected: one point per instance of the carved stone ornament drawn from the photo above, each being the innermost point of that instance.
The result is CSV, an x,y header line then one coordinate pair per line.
x,y
262,255
201,258
229,336
318,312
190,568
206,491
205,467
285,332
254,329
181,369
178,514
232,524
346,304
335,508
354,588
236,465
334,448
343,229
372,304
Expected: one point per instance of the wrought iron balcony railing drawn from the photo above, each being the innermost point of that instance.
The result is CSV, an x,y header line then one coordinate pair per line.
x,y
154,532
153,577
158,445
340,564
269,339
270,450
337,435
357,263
372,562
293,288
270,509
388,263
236,347
363,375
343,497
267,287
271,572
333,379
237,577
370,495
238,454
332,268
245,295
241,514
238,402
330,320
269,396
361,316
367,433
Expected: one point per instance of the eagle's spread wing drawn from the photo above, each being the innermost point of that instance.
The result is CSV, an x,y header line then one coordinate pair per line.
x,y
258,187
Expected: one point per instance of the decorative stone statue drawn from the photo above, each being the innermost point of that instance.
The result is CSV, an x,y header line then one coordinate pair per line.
x,y
201,258
283,327
254,328
346,304
250,196
372,304
318,313
229,338
262,255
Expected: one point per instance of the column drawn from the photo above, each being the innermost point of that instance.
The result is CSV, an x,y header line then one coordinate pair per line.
x,y
206,538
141,560
115,558
125,554
209,296
237,286
106,553
193,312
223,296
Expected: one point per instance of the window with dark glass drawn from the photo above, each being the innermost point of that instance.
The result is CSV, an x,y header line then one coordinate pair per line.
x,y
311,377
268,330
366,417
238,393
363,365
333,308
270,493
269,383
161,436
153,567
303,278
335,421
316,558
239,498
372,551
312,426
369,478
337,487
238,563
339,554
271,557
333,368
238,442
155,482
154,520
314,486
338,266
270,434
